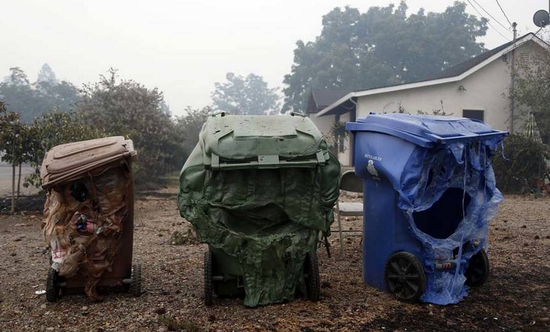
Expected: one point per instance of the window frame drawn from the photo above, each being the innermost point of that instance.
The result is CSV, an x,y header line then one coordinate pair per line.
x,y
482,111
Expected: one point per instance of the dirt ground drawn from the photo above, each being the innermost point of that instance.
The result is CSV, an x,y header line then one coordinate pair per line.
x,y
516,297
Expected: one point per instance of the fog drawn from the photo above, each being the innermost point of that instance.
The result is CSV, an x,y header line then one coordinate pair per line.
x,y
183,47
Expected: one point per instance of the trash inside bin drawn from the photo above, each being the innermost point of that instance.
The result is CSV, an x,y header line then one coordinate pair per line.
x,y
88,213
258,190
429,193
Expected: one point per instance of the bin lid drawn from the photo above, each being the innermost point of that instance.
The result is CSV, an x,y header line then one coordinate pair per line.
x,y
261,141
66,161
425,130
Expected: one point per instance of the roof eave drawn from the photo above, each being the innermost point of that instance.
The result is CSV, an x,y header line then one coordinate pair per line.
x,y
327,110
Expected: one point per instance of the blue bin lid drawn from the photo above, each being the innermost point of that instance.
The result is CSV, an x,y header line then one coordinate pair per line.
x,y
425,130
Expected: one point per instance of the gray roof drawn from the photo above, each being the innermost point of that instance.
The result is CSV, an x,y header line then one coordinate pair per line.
x,y
463,67
455,70
326,97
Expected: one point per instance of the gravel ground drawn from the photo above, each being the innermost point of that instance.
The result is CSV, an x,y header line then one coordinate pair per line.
x,y
516,297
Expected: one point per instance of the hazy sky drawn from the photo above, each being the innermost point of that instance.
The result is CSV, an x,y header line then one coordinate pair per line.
x,y
183,47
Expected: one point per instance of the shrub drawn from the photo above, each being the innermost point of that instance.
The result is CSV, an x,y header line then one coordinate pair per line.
x,y
524,166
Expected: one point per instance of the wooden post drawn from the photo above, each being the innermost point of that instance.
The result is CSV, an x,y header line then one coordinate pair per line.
x,y
13,165
19,181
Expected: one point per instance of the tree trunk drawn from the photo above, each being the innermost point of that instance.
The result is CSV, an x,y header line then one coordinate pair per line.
x,y
19,182
13,186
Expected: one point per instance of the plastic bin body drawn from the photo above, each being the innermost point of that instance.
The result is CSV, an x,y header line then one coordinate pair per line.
x,y
386,148
259,190
122,264
80,162
385,228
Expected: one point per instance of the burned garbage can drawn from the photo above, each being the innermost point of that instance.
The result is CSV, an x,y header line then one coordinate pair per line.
x,y
258,190
89,217
429,193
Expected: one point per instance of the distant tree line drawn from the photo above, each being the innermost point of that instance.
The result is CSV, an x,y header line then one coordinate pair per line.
x,y
30,100
109,107
354,50
379,47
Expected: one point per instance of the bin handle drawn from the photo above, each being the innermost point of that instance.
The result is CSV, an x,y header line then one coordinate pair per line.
x,y
269,162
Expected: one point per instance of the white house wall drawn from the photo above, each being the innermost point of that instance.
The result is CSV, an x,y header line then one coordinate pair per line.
x,y
486,89
324,123
483,90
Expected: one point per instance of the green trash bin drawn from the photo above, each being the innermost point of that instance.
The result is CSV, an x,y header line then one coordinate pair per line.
x,y
259,190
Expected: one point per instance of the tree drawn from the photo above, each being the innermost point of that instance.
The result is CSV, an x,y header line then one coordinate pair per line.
x,y
189,126
521,166
52,129
17,77
14,139
21,143
46,74
33,100
381,47
245,95
127,108
533,95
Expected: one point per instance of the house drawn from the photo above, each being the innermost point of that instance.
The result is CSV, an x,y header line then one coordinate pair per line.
x,y
477,88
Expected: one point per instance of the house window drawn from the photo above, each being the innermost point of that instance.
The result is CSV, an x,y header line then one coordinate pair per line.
x,y
473,114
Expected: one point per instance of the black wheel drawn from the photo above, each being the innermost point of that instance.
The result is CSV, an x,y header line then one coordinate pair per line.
x,y
405,277
208,284
311,276
52,288
135,286
478,269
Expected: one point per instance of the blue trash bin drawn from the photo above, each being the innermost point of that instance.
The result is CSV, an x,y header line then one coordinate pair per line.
x,y
429,193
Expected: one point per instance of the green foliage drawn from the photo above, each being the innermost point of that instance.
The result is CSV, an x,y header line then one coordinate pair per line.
x,y
15,138
31,100
52,129
532,93
337,137
381,47
245,95
189,126
525,166
15,144
127,108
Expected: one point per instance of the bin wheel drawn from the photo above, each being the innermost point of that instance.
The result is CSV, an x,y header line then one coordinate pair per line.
x,y
52,288
311,271
478,269
208,284
405,277
135,286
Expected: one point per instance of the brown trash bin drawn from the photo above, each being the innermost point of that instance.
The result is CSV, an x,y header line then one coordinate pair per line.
x,y
89,218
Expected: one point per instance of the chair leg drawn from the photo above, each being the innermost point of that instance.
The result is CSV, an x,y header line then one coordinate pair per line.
x,y
340,231
323,241
327,244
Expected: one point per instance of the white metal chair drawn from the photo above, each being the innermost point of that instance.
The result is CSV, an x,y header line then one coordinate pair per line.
x,y
348,182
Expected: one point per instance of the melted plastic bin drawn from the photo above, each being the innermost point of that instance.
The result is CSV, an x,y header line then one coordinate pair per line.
x,y
89,218
429,193
259,190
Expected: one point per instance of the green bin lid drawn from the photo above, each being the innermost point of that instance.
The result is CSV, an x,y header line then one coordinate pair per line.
x,y
243,141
